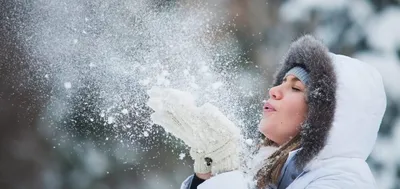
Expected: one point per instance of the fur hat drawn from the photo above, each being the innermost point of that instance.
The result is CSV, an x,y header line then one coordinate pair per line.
x,y
311,55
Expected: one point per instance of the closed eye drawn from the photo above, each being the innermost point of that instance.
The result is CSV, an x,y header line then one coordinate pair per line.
x,y
295,89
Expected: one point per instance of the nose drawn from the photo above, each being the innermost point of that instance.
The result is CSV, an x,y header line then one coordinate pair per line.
x,y
275,93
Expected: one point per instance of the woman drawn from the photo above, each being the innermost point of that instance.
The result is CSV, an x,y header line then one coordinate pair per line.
x,y
323,114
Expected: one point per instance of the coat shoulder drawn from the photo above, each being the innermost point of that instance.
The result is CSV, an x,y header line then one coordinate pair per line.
x,y
336,173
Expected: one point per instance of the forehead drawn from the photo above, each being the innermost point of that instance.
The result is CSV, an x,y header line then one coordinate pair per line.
x,y
291,77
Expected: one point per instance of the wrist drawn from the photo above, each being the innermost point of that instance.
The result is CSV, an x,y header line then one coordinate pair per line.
x,y
203,176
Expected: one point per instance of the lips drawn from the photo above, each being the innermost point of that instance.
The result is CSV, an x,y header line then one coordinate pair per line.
x,y
268,107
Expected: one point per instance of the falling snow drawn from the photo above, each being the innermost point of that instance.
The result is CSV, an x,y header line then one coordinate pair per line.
x,y
249,142
124,111
182,155
110,120
110,61
67,85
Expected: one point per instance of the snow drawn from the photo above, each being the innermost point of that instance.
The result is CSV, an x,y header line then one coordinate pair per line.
x,y
182,155
165,73
204,69
216,85
186,72
386,177
298,10
249,142
95,162
384,30
173,53
110,120
361,11
389,68
124,111
161,80
145,82
67,85
194,86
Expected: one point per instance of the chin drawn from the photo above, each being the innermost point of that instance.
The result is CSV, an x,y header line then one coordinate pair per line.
x,y
266,129
263,127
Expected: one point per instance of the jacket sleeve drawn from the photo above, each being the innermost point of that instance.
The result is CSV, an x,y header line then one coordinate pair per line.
x,y
228,180
187,182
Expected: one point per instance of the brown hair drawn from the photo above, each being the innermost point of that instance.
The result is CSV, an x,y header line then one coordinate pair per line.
x,y
271,170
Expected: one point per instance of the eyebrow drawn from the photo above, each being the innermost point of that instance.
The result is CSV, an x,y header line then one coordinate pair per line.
x,y
293,79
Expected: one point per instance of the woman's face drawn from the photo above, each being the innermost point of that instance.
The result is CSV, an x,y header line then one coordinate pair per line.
x,y
284,111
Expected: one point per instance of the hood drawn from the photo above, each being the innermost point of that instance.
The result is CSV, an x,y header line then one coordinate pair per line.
x,y
346,102
360,105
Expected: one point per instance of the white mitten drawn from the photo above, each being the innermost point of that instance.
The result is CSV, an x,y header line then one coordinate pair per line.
x,y
212,137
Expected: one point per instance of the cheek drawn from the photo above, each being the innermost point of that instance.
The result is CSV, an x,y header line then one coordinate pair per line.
x,y
295,108
279,128
285,123
294,116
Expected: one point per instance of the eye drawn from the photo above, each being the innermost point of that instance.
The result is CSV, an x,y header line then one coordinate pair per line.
x,y
295,89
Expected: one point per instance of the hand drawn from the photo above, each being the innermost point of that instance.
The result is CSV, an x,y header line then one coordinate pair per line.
x,y
212,137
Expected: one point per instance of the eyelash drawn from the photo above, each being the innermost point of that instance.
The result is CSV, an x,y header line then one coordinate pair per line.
x,y
295,89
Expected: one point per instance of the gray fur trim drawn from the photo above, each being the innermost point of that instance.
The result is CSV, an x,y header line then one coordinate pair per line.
x,y
312,55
